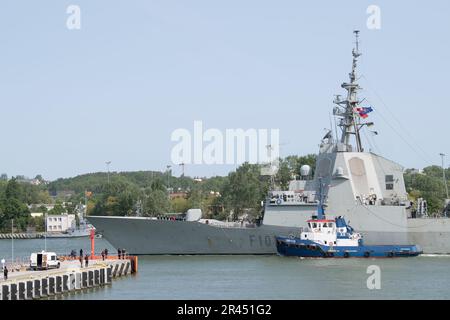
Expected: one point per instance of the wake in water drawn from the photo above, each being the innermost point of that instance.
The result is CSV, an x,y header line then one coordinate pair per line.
x,y
435,255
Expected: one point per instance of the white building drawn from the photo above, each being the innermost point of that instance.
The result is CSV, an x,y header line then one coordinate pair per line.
x,y
60,223
36,214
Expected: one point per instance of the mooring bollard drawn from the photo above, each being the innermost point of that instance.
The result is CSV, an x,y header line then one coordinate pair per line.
x,y
44,287
22,290
65,286
91,278
122,267
71,282
84,279
58,284
109,275
5,292
51,286
127,268
29,290
37,289
97,277
78,280
13,291
102,276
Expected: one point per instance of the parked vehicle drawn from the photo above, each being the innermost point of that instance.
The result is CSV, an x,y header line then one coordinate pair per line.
x,y
44,261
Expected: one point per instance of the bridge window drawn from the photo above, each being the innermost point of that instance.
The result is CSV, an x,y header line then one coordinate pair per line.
x,y
389,182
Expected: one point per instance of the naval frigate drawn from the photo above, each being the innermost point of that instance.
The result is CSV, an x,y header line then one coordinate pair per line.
x,y
364,187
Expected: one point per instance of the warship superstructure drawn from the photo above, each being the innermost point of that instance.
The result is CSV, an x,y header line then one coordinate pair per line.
x,y
364,187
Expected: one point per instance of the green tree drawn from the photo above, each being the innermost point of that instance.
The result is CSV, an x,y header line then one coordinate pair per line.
x,y
180,205
57,209
284,174
13,208
14,190
428,186
244,191
115,199
156,202
296,162
38,223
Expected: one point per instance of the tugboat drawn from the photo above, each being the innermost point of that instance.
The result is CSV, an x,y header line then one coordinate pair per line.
x,y
337,239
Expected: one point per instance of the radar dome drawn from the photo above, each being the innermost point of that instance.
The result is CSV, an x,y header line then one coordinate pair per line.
x,y
305,170
340,171
193,215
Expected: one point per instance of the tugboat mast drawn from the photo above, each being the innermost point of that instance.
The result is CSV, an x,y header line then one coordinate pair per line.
x,y
350,122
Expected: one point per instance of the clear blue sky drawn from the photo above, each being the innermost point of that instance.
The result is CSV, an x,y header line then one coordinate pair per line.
x,y
137,70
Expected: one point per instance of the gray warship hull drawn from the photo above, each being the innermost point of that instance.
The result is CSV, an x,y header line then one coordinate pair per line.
x,y
145,236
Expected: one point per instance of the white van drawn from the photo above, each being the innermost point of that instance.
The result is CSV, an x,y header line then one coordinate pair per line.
x,y
44,261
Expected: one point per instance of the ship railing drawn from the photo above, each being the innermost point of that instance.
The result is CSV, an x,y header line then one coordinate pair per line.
x,y
233,225
429,217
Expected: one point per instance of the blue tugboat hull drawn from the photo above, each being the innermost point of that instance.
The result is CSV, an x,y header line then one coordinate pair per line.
x,y
308,249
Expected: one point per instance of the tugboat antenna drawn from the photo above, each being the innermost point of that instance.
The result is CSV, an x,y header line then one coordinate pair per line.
x,y
320,208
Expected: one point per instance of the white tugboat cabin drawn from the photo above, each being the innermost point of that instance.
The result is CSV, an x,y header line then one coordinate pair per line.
x,y
331,233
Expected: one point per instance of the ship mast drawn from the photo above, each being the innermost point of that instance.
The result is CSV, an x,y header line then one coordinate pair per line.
x,y
350,121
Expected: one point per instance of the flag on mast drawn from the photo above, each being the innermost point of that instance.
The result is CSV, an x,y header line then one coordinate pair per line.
x,y
364,112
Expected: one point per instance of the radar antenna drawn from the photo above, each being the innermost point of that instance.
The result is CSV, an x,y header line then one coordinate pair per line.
x,y
347,109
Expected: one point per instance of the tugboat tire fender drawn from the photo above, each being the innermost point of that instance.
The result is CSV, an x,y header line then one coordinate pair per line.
x,y
366,254
346,255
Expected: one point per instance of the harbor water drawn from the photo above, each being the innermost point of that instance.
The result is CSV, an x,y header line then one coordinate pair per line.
x,y
257,277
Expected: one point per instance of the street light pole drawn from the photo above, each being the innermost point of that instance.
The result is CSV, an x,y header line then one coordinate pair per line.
x,y
168,178
443,174
45,233
107,164
12,240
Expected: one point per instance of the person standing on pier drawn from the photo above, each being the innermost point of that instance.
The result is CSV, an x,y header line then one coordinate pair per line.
x,y
81,261
86,259
119,253
81,253
106,253
5,273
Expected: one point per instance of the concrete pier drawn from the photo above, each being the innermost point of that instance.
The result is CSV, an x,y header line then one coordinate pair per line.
x,y
71,277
